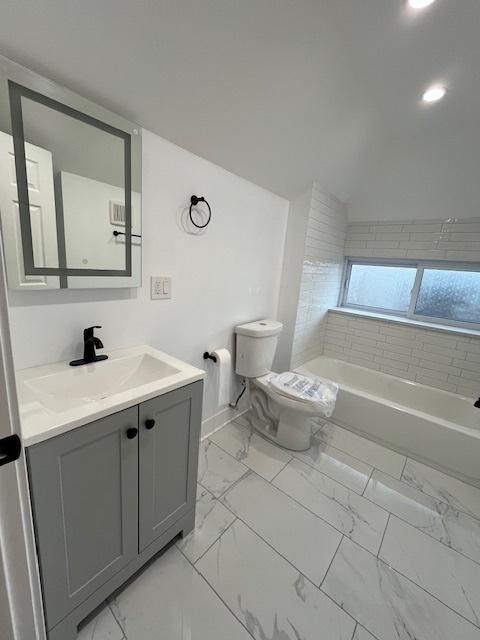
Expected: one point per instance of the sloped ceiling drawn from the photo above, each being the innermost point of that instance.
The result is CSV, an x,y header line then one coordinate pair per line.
x,y
280,92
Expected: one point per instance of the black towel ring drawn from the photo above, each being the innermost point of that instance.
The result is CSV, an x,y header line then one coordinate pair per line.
x,y
194,200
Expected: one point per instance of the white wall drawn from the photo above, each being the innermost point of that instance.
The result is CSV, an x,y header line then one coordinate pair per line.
x,y
312,274
321,275
292,276
228,275
432,174
455,239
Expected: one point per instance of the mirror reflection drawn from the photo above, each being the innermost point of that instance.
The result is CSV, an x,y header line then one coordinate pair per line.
x,y
70,195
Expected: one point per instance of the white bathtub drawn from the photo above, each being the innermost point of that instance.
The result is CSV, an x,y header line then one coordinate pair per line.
x,y
430,425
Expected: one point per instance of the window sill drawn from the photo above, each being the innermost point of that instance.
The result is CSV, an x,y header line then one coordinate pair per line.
x,y
406,321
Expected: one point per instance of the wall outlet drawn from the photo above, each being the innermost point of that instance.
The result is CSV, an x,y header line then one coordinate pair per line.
x,y
161,287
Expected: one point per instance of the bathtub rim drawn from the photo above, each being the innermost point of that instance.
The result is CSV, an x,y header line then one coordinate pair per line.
x,y
470,431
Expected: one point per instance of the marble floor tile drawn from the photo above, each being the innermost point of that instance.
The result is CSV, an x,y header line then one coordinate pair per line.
x,y
211,520
336,464
267,594
458,494
370,452
170,601
447,575
362,634
243,419
345,510
102,627
444,523
386,603
274,516
217,470
254,451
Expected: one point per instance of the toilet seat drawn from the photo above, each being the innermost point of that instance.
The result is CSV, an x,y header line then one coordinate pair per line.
x,y
304,406
284,419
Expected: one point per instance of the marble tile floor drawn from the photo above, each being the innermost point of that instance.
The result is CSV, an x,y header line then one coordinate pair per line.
x,y
348,541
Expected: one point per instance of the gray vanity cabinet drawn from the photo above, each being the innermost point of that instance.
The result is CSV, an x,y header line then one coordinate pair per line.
x,y
109,495
168,457
84,487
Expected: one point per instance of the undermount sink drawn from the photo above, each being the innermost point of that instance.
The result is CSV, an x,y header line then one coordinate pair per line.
x,y
57,397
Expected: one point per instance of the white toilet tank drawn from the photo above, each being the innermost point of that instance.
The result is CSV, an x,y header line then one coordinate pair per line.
x,y
256,343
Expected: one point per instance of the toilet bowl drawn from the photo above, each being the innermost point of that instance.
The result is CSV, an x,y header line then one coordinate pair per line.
x,y
284,419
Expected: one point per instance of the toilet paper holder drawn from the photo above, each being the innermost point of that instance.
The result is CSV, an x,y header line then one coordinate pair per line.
x,y
209,356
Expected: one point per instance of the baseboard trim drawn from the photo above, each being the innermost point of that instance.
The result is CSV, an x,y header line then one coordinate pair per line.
x,y
219,420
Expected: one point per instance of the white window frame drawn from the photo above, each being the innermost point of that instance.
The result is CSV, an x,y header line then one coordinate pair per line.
x,y
420,266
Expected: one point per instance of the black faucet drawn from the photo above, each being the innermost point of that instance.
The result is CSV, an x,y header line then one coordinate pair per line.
x,y
90,343
477,404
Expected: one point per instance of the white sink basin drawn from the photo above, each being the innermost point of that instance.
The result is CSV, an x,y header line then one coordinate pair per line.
x,y
78,386
55,398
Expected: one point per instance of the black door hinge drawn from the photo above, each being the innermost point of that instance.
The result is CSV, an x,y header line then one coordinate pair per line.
x,y
10,449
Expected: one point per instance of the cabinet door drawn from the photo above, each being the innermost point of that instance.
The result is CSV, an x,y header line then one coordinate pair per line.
x,y
84,487
168,459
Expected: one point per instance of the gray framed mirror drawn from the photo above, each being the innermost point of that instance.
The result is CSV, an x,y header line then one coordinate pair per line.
x,y
70,187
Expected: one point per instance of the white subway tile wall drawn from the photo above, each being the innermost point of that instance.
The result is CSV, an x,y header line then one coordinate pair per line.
x,y
321,276
456,239
431,357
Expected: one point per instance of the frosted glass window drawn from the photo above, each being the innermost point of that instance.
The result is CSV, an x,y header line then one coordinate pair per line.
x,y
453,295
381,287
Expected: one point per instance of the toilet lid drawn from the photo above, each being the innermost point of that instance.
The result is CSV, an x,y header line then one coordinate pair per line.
x,y
315,392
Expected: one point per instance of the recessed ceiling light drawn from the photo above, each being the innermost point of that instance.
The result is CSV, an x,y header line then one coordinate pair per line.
x,y
434,93
420,4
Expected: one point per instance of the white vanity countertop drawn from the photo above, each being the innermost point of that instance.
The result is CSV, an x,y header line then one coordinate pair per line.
x,y
56,398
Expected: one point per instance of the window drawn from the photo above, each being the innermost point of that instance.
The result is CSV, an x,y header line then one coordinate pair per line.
x,y
380,287
429,292
452,295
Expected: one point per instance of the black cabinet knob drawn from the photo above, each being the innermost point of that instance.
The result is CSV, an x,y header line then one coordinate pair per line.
x,y
132,433
149,424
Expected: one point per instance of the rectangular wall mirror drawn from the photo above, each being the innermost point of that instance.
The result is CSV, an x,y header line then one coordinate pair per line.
x,y
70,188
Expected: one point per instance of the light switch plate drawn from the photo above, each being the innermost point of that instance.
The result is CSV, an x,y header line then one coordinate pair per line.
x,y
161,287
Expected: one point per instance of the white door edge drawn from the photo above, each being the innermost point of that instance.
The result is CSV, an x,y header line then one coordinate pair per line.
x,y
20,595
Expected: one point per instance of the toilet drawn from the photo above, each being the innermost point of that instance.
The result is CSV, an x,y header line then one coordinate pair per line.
x,y
280,417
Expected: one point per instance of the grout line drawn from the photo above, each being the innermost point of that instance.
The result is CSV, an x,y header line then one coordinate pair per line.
x,y
204,579
355,630
214,542
116,620
383,537
398,572
247,469
234,484
293,456
417,528
361,626
429,495
403,455
211,545
331,562
384,532
386,510
237,517
359,493
358,435
319,516
277,552
279,472
244,464
367,483
289,562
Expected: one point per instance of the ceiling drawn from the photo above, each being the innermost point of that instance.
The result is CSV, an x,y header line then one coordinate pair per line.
x,y
280,92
